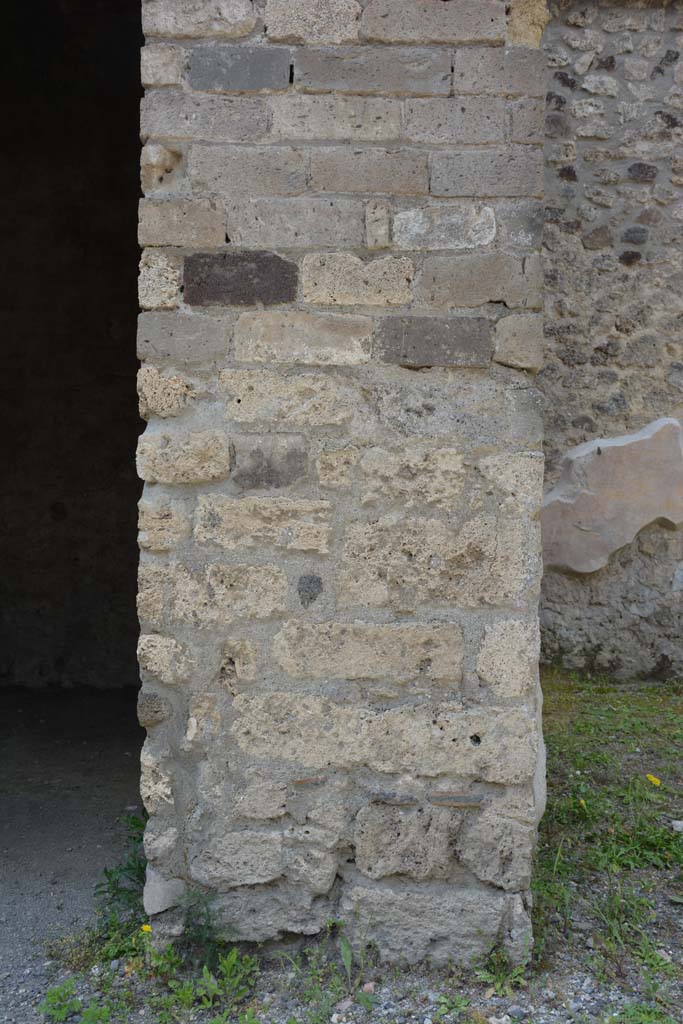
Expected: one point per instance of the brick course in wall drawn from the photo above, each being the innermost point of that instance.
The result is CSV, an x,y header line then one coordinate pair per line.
x,y
339,529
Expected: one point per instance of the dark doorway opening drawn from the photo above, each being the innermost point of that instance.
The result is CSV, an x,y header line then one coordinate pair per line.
x,y
69,188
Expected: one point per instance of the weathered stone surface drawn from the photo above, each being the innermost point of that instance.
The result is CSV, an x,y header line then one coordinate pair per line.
x,y
335,467
296,223
172,114
342,279
432,21
257,914
461,226
311,400
518,477
228,18
498,843
152,708
265,463
237,858
316,733
162,64
233,523
514,171
313,21
161,893
303,338
520,342
227,593
608,491
353,118
239,662
417,341
472,120
181,222
448,282
238,68
161,168
528,18
508,658
377,226
361,651
398,172
164,658
244,170
160,280
416,842
497,70
374,70
239,279
412,477
182,339
193,458
162,526
161,395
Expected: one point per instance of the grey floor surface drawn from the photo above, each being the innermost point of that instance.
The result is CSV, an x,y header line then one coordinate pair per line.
x,y
68,772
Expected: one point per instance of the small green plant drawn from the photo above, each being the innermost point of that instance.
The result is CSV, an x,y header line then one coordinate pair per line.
x,y
121,889
451,1006
93,1013
503,976
60,1002
642,1013
248,1017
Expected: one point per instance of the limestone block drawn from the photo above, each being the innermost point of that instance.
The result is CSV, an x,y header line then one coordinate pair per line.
x,y
160,840
508,658
520,342
248,170
497,843
162,64
526,120
257,914
416,341
163,526
307,399
350,118
222,594
377,226
527,21
239,279
515,70
313,21
153,580
183,339
296,223
293,337
228,18
518,477
363,651
180,222
230,859
448,282
160,280
335,466
315,869
162,395
413,476
316,733
450,226
233,523
238,662
172,114
161,168
261,799
161,893
472,120
609,490
446,924
164,658
374,70
417,842
343,279
183,459
240,68
432,21
398,172
512,171
156,786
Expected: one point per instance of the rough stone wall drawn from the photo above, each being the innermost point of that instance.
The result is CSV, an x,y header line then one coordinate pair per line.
x,y
339,529
614,303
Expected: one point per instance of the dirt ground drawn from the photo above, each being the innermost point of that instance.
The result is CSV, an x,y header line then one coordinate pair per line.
x,y
68,771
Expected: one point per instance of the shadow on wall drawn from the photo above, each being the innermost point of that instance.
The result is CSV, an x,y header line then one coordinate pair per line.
x,y
69,182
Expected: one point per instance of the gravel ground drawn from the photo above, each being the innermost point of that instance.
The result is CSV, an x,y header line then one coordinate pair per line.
x,y
68,771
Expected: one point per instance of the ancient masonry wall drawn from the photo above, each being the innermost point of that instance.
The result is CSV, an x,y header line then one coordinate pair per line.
x,y
339,529
614,303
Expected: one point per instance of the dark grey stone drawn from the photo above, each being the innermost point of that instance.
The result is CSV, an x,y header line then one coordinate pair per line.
x,y
635,235
267,463
642,172
309,589
239,279
239,68
417,341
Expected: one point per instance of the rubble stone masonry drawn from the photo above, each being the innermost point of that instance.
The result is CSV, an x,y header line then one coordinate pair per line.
x,y
341,292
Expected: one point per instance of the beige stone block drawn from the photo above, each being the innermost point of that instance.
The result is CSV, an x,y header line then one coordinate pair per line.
x,y
153,580
261,799
162,64
359,650
203,722
164,658
175,114
497,844
377,226
527,21
222,594
313,21
160,840
156,785
162,395
294,524
334,117
412,477
163,526
310,338
417,842
184,459
304,222
518,476
508,658
307,400
159,280
447,226
396,172
449,282
247,857
520,342
316,733
238,663
342,279
312,868
249,171
161,169
228,19
335,466
195,223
